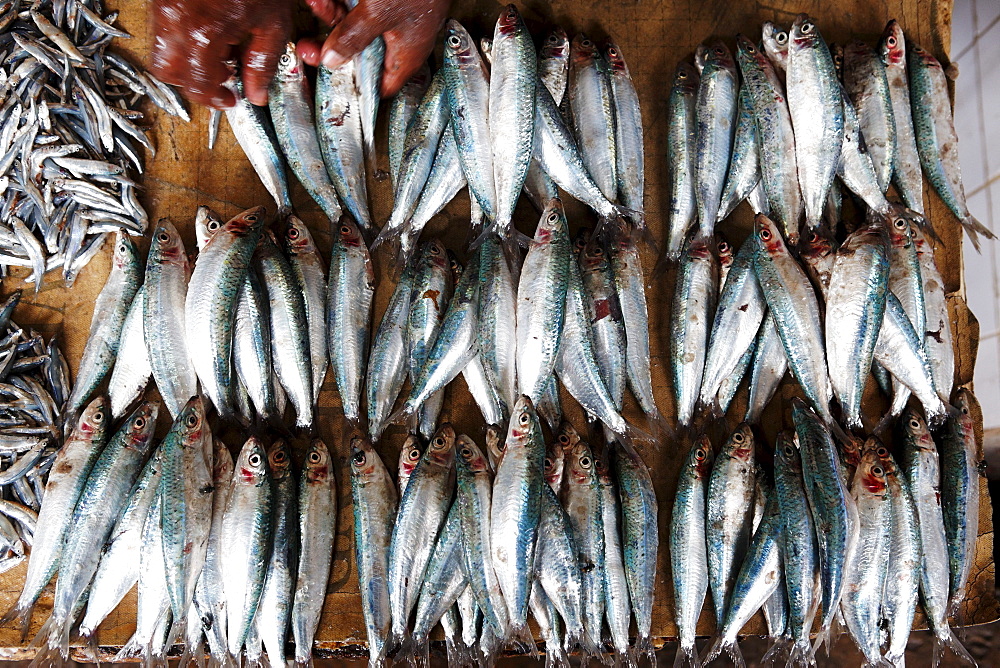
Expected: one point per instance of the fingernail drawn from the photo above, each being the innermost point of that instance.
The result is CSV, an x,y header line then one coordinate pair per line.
x,y
332,60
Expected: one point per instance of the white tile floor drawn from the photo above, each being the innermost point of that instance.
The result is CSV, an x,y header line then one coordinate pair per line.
x,y
975,46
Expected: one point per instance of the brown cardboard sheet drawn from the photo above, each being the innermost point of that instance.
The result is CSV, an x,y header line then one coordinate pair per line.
x,y
653,36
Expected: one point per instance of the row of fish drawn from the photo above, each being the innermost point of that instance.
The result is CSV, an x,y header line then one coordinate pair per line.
x,y
235,552
70,142
790,122
844,536
34,382
481,539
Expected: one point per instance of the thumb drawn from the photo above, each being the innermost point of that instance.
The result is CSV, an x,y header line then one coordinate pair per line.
x,y
358,29
260,60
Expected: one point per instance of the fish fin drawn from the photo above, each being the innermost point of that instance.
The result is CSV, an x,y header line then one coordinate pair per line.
x,y
779,649
719,646
520,636
404,413
666,263
974,228
687,657
801,655
636,218
555,656
644,646
22,614
951,642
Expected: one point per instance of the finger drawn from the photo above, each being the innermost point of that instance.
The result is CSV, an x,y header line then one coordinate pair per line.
x,y
260,60
310,50
404,55
327,11
351,36
198,69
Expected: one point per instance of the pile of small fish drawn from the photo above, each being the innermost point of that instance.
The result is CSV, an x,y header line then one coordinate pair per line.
x,y
844,536
237,552
69,140
34,381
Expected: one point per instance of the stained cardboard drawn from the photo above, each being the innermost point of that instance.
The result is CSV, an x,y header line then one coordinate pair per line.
x,y
654,36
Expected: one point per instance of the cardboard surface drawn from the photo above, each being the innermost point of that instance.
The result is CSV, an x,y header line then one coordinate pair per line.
x,y
653,36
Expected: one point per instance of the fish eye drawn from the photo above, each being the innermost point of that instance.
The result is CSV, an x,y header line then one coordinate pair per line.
x,y
807,28
315,457
250,218
438,442
682,75
554,39
718,51
191,421
123,249
465,452
613,52
139,423
454,41
553,217
99,416
359,458
293,233
738,437
345,230
813,237
585,462
877,471
723,247
914,423
413,455
700,455
891,42
965,410
781,37
548,463
765,234
434,250
280,457
882,452
254,459
524,419
789,451
899,223
586,44
163,237
214,225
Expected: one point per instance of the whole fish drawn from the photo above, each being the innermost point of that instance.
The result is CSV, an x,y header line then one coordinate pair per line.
x,y
401,110
541,300
744,164
65,484
422,509
855,306
582,500
800,553
511,111
867,84
166,282
629,156
443,183
934,127
681,151
736,325
350,292
903,579
694,300
254,132
290,343
592,105
275,608
553,63
960,472
368,67
856,170
110,310
515,511
715,113
867,565
291,111
210,304
245,538
252,358
317,528
374,502
186,502
816,107
906,172
474,499
209,594
430,294
497,321
938,336
792,302
906,282
607,322
729,515
617,610
310,274
444,582
468,102
775,135
131,372
387,370
832,507
688,547
341,142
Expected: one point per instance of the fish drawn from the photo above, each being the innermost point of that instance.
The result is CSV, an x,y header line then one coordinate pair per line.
x,y
252,358
744,164
211,300
605,314
617,610
388,367
445,180
401,110
867,84
934,127
694,301
592,108
906,283
350,292
317,528
775,41
715,114
110,311
368,66
541,300
374,501
816,106
131,372
681,151
688,547
906,174
291,111
629,155
310,274
497,320
553,63
938,335
582,500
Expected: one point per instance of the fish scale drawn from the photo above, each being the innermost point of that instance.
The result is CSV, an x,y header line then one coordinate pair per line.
x,y
681,156
715,114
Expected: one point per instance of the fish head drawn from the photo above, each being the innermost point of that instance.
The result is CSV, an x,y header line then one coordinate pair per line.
x,y
698,249
804,34
854,53
892,45
580,463
138,428
495,445
850,450
470,457
963,400
871,474
581,240
552,222
724,250
768,236
486,46
206,223
222,463
409,455
900,235
838,56
364,459
815,245
556,44
246,223
555,459
279,460
298,240
741,443
455,266
775,41
459,46
290,65
593,258
686,78
348,233
885,458
509,21
126,254
582,51
167,246
523,423
916,429
93,422
601,467
701,457
786,453
318,467
434,256
190,423
923,57
616,61
718,57
251,465
441,449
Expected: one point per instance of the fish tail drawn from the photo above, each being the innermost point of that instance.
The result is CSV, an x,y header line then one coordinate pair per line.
x,y
21,613
801,655
555,656
520,636
644,646
405,412
715,650
666,263
659,428
974,228
133,648
950,641
687,657
778,649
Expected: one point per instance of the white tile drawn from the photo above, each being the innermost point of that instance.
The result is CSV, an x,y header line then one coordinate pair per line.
x,y
962,30
969,122
989,57
987,381
987,12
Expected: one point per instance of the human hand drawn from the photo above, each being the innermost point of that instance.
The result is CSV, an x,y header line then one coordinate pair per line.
x,y
194,39
410,29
